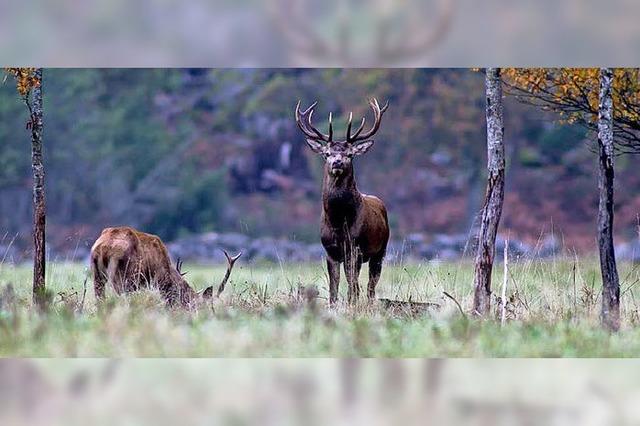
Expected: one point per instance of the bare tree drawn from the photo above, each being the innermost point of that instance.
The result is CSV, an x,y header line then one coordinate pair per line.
x,y
29,86
494,196
610,281
39,206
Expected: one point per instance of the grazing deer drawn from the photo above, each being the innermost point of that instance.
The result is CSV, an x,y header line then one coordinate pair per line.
x,y
130,260
354,228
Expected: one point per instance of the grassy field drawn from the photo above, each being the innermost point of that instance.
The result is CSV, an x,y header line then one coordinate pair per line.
x,y
552,311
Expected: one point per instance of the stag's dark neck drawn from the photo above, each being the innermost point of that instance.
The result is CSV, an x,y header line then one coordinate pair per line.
x,y
341,199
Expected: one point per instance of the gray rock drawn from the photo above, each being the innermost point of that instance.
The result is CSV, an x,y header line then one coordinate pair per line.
x,y
233,242
549,246
415,238
448,255
207,248
426,251
450,242
517,249
629,252
316,252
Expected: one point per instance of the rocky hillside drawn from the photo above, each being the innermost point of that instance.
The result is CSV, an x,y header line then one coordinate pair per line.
x,y
183,152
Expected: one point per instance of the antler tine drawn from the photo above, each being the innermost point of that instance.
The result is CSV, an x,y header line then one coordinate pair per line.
x,y
330,127
358,131
179,267
311,108
380,110
303,119
377,114
230,262
319,135
300,119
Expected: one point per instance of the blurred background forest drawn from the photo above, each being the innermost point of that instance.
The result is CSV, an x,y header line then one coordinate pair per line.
x,y
180,152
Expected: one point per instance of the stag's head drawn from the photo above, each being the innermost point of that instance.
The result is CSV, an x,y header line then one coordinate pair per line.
x,y
339,153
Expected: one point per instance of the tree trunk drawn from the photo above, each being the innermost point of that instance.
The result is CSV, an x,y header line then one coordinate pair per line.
x,y
610,281
494,196
39,212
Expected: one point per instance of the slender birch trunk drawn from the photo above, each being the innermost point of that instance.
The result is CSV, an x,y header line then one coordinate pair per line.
x,y
610,280
39,211
494,196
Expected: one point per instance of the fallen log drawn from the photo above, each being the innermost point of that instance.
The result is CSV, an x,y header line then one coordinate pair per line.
x,y
409,308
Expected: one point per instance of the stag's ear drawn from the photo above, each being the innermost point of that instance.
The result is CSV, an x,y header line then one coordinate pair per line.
x,y
207,293
361,148
315,146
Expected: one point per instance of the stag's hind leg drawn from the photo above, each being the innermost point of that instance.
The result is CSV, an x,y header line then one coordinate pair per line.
x,y
116,275
375,269
333,266
99,279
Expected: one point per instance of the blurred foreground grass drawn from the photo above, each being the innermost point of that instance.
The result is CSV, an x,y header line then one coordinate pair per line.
x,y
552,311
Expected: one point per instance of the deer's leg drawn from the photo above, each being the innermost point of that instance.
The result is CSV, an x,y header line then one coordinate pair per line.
x,y
352,265
375,269
113,277
333,267
99,281
129,275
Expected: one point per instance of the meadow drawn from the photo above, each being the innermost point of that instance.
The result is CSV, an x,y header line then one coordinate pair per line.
x,y
552,310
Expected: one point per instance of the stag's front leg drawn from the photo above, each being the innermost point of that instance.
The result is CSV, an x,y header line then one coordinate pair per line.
x,y
333,267
352,265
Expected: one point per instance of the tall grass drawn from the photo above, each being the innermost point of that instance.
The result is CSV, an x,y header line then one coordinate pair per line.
x,y
552,309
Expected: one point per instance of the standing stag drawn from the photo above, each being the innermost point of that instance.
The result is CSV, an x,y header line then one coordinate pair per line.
x,y
354,228
130,260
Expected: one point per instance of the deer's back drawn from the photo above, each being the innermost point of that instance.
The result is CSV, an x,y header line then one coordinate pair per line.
x,y
146,251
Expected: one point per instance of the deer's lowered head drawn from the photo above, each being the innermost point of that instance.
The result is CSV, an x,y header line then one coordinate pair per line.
x,y
207,293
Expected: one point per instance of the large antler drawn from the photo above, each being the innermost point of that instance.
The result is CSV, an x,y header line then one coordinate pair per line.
x,y
377,114
303,119
230,262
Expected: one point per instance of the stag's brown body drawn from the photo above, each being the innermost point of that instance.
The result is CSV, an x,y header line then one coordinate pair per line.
x,y
354,226
130,259
354,230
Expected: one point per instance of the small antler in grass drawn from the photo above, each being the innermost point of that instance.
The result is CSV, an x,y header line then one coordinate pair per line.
x,y
230,262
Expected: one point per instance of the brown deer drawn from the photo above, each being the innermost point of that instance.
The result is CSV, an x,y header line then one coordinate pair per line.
x,y
130,260
354,228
